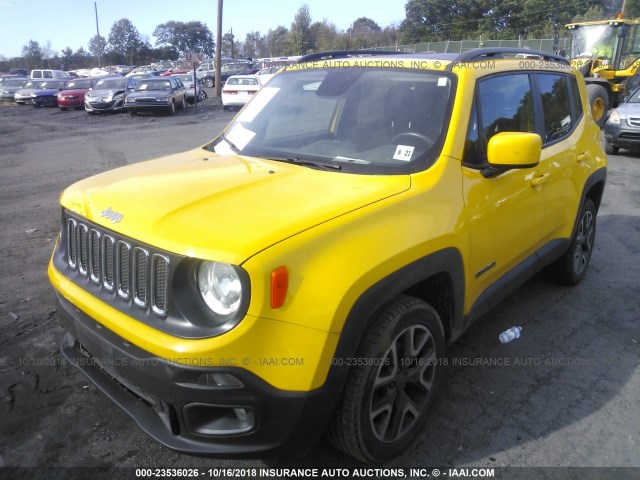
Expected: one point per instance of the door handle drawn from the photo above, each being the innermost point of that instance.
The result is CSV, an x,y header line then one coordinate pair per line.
x,y
544,178
581,157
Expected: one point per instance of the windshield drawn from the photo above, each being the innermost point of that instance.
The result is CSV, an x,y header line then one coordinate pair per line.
x,y
111,84
79,84
593,40
364,119
164,85
242,81
13,82
51,85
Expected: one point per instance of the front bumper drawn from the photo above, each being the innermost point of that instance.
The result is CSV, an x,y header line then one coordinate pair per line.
x,y
45,101
112,105
179,406
622,135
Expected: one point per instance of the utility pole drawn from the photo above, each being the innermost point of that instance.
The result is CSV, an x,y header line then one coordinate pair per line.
x,y
95,6
218,61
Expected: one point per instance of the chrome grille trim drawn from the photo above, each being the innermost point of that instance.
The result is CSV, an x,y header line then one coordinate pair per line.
x,y
133,272
633,121
123,269
108,264
94,255
139,275
83,247
159,283
72,242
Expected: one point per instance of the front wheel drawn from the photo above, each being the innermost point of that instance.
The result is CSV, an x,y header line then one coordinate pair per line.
x,y
571,267
610,149
172,108
387,396
208,82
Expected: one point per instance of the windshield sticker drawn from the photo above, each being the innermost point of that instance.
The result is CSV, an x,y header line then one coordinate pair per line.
x,y
404,153
258,103
240,136
442,81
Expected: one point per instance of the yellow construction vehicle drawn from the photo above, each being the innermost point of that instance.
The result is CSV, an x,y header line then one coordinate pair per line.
x,y
607,53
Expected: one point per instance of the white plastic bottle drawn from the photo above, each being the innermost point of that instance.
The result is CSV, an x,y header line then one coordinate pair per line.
x,y
508,335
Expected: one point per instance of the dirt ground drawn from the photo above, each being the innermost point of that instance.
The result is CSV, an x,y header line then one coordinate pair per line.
x,y
566,394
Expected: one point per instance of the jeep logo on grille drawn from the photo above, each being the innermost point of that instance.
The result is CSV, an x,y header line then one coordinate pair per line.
x,y
115,217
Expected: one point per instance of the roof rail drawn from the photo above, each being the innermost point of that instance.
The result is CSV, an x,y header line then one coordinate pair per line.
x,y
499,52
344,54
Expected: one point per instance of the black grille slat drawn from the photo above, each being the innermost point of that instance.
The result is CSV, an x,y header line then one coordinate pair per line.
x,y
136,273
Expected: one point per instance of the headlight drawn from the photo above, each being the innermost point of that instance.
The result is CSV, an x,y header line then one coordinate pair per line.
x,y
614,118
220,287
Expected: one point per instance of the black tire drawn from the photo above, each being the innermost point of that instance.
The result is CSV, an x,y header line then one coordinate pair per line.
x,y
203,95
183,104
172,108
63,109
225,108
386,398
571,267
610,149
209,82
132,112
599,103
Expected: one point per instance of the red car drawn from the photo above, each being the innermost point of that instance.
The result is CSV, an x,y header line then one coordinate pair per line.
x,y
72,96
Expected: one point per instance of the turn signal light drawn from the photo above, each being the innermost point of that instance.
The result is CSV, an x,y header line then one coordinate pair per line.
x,y
279,284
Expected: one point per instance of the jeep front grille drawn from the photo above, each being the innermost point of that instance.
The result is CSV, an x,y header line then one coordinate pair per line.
x,y
134,271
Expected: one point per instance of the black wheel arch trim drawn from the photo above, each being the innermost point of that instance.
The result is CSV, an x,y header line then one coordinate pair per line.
x,y
447,261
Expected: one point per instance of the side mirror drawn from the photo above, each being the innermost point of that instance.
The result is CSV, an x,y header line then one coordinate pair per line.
x,y
508,150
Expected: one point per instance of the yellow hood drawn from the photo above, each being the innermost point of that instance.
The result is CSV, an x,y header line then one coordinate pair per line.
x,y
224,208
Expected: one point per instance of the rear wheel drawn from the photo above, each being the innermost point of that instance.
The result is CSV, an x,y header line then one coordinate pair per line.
x,y
599,102
203,95
388,394
571,267
183,104
209,82
132,112
172,108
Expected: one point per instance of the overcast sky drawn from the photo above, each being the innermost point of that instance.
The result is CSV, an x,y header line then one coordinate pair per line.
x,y
71,23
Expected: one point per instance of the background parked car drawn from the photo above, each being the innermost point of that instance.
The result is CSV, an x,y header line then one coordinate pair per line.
x,y
10,86
49,74
622,129
266,74
108,94
192,87
19,72
23,95
47,93
72,95
238,90
157,94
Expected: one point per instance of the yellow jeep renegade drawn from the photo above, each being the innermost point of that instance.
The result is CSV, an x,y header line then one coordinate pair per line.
x,y
305,270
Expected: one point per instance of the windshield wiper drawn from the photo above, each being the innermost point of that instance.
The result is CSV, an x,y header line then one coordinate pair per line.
x,y
307,163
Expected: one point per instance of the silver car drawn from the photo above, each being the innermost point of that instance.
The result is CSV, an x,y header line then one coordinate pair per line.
x,y
10,86
108,94
194,90
23,95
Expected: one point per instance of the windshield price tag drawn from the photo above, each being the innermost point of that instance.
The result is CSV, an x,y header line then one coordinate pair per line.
x,y
404,153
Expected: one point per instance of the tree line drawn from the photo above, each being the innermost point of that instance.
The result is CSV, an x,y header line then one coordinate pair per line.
x,y
426,20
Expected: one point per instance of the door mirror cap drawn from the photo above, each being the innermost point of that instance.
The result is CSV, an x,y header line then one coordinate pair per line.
x,y
514,150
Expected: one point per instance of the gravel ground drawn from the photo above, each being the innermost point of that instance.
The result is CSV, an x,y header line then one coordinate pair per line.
x,y
563,395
